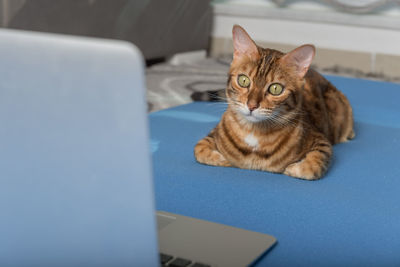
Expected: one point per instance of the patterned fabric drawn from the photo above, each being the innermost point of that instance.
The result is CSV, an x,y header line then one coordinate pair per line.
x,y
170,85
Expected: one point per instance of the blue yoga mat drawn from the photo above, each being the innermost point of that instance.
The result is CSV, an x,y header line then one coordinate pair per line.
x,y
350,217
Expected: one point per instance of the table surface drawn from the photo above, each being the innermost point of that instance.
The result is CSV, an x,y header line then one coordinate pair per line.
x,y
350,217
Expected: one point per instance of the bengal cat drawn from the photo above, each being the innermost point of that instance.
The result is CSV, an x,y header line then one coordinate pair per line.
x,y
282,116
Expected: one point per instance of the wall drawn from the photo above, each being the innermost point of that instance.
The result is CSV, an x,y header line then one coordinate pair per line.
x,y
353,44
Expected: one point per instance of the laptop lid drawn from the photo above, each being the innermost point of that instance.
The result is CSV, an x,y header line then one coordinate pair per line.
x,y
75,175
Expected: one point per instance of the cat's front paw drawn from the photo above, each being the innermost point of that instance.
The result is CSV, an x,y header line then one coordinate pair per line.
x,y
303,170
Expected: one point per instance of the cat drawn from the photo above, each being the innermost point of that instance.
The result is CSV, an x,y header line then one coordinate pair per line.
x,y
282,116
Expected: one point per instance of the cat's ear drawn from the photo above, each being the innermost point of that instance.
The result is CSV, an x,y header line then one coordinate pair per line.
x,y
300,58
243,45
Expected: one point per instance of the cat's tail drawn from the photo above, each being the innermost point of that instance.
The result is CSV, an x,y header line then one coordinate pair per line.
x,y
211,95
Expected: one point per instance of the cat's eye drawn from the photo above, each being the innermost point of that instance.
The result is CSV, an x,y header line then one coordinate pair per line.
x,y
275,89
243,80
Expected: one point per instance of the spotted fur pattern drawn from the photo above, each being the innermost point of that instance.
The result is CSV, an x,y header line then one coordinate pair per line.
x,y
290,133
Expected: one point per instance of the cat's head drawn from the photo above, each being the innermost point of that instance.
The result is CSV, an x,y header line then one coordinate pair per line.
x,y
265,84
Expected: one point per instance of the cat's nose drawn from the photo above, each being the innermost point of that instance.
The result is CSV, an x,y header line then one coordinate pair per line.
x,y
252,105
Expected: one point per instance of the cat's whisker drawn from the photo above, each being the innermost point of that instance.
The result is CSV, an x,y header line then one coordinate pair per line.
x,y
218,109
224,99
235,101
283,120
294,121
218,104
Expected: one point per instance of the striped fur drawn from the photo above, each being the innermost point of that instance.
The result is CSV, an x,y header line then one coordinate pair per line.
x,y
291,133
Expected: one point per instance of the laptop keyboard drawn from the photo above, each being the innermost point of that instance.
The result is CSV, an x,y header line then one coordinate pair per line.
x,y
171,261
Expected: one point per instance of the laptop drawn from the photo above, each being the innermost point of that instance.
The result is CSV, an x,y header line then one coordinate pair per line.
x,y
76,186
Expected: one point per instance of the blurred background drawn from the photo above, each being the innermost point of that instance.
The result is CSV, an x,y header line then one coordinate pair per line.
x,y
187,43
